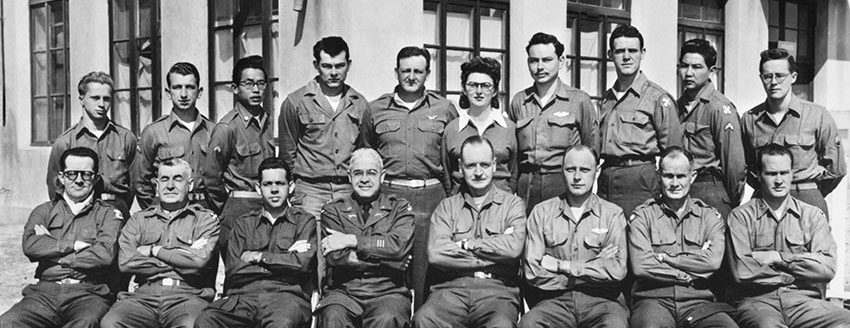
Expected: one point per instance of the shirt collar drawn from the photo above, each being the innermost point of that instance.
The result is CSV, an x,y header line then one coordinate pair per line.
x,y
703,95
495,116
637,86
791,206
267,216
397,100
490,197
161,212
246,117
314,88
76,207
83,128
173,121
561,92
592,205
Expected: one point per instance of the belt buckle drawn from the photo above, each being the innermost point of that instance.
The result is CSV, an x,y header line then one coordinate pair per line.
x,y
482,275
68,281
107,196
170,282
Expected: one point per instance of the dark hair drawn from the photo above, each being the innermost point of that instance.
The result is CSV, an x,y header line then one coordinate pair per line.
x,y
331,45
184,68
255,62
701,47
580,147
543,38
625,31
476,140
79,152
778,54
412,51
772,150
94,77
273,163
484,65
673,151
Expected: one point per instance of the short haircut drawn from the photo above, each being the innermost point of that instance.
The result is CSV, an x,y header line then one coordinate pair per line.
x,y
79,152
772,150
255,62
581,147
625,31
184,68
543,38
272,163
484,65
94,77
331,45
674,151
367,154
778,54
173,162
476,140
412,51
701,47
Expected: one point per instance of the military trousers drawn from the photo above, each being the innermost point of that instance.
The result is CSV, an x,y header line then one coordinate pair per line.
x,y
154,305
576,309
282,310
49,304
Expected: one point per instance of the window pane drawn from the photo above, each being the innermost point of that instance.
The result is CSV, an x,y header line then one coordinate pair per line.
x,y
121,62
146,15
569,44
610,77
589,72
39,26
791,36
57,33
145,107
615,4
145,64
223,100
121,108
253,9
433,81
40,120
431,23
57,117
590,2
589,38
121,19
39,75
803,45
251,41
224,12
773,13
804,16
790,15
223,58
459,26
568,77
501,58
453,61
692,35
493,28
274,64
690,9
773,34
57,76
713,11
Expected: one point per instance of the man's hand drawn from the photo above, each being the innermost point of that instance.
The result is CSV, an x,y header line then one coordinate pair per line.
x,y
768,257
609,252
549,263
80,245
462,244
660,257
144,250
200,243
337,241
405,262
155,250
707,245
40,230
251,257
299,246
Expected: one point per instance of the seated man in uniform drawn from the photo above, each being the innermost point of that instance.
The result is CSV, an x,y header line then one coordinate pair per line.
x,y
168,247
575,253
269,262
781,253
475,244
74,239
676,242
369,236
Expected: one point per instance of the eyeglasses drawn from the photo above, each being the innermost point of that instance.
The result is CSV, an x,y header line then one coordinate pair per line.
x,y
780,77
486,86
72,175
248,84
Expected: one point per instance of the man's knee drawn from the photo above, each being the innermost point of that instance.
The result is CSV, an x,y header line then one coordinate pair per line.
x,y
204,320
500,321
386,319
12,318
426,316
532,319
334,316
110,320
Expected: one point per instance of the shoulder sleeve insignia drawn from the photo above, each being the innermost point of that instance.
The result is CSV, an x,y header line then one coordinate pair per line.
x,y
665,101
561,114
217,149
838,140
409,208
632,218
729,127
727,109
118,214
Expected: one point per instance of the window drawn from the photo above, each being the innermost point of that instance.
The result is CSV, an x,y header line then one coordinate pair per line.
x,y
241,28
50,87
456,31
589,25
791,25
135,62
703,19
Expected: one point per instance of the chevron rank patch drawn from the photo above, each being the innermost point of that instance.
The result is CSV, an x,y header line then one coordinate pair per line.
x,y
729,127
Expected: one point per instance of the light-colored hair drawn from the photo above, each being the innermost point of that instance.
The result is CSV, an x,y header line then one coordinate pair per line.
x,y
367,154
177,162
96,77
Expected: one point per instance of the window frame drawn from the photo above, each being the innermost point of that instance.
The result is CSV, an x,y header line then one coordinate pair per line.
x,y
268,17
806,67
53,131
605,17
134,58
702,28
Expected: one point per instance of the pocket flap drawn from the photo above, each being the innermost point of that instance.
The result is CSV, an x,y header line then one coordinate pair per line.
x,y
311,119
387,126
166,153
634,118
804,140
116,155
250,149
562,120
524,122
593,240
431,126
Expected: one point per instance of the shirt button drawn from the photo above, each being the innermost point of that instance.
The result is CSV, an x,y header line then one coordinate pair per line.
x,y
336,134
336,151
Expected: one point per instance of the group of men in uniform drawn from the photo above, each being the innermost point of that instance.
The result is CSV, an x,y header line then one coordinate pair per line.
x,y
361,193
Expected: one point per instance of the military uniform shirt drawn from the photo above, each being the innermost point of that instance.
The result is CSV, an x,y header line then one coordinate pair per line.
x,y
693,247
640,124
545,131
553,230
409,141
500,132
165,139
187,236
316,141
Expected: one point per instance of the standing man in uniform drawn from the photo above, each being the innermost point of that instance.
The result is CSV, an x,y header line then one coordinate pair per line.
x,y
475,243
319,124
806,128
184,134
712,130
369,238
406,127
782,253
269,261
74,239
639,120
550,117
238,143
575,253
168,247
676,243
114,144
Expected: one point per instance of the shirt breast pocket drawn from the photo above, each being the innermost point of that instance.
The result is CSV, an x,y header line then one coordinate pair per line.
x,y
314,124
166,153
150,238
795,240
388,126
462,229
698,137
764,241
663,240
118,165
593,242
557,234
562,130
635,129
249,156
694,238
525,132
433,129
284,243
